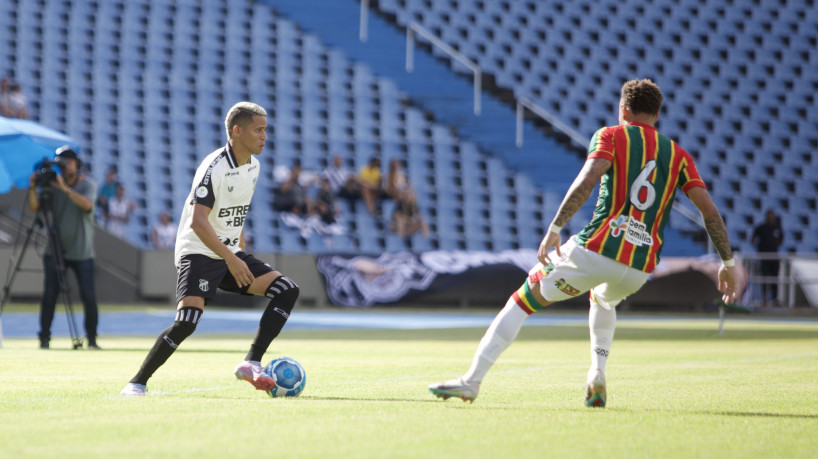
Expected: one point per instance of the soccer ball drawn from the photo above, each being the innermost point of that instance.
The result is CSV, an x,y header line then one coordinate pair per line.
x,y
289,375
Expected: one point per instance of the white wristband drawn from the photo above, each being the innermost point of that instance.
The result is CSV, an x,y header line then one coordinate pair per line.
x,y
554,229
728,263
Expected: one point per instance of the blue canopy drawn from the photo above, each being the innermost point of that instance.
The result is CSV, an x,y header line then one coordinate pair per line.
x,y
23,144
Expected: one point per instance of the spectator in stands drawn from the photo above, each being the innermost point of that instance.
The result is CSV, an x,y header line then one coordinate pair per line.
x,y
106,192
120,209
396,182
73,196
324,205
342,181
17,104
617,250
371,185
163,234
5,95
767,239
291,196
407,219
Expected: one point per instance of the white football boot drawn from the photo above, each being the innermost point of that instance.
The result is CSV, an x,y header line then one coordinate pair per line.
x,y
456,388
134,390
255,375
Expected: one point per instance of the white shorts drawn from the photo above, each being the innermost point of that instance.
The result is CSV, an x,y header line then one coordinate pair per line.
x,y
580,270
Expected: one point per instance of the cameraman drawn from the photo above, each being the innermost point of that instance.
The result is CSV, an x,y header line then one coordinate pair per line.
x,y
72,197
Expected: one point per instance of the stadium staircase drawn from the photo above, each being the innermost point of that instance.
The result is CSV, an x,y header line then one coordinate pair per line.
x,y
737,77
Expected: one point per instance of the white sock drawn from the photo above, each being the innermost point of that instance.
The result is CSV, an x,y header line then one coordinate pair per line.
x,y
602,324
498,337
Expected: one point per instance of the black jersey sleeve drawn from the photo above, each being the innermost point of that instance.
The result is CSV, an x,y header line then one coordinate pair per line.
x,y
205,191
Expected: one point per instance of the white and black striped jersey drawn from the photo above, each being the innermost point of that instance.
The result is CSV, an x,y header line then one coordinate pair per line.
x,y
227,188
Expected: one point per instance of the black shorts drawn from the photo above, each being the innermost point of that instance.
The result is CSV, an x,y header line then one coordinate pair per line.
x,y
200,275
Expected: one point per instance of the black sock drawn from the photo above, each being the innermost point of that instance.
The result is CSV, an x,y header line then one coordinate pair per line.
x,y
167,342
282,293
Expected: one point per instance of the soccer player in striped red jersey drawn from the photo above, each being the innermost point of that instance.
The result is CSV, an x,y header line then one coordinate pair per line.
x,y
639,171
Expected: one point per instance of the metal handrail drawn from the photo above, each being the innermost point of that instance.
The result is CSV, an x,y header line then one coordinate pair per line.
x,y
415,28
785,279
522,102
363,25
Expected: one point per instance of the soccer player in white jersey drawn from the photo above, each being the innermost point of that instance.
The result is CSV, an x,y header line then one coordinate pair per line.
x,y
209,250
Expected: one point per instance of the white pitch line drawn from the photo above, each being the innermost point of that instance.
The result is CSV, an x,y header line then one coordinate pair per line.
x,y
197,389
513,370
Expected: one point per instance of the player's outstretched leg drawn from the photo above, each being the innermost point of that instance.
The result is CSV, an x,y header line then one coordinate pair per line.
x,y
183,326
498,337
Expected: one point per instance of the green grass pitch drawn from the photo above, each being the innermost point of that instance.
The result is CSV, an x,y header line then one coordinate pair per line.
x,y
675,389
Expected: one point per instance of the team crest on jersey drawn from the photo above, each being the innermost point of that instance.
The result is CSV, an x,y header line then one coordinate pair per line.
x,y
566,288
201,192
204,285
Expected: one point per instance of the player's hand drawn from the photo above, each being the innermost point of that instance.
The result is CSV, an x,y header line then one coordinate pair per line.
x,y
238,268
728,279
551,240
32,180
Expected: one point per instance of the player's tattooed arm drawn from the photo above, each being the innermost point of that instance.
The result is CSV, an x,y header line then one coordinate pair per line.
x,y
718,234
581,189
713,223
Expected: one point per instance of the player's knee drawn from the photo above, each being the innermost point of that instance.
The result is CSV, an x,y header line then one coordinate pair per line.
x,y
283,292
183,326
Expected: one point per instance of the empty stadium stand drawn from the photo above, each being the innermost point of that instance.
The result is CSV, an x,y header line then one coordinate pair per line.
x,y
144,85
738,78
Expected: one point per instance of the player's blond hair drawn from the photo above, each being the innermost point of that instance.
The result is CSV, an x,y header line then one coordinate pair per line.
x,y
642,96
241,115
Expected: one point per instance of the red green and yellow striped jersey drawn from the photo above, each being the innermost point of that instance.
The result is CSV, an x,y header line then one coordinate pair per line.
x,y
636,193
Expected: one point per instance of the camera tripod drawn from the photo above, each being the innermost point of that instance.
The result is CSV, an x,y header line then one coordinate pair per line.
x,y
45,219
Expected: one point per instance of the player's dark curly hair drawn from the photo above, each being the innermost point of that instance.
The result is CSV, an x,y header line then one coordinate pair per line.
x,y
642,96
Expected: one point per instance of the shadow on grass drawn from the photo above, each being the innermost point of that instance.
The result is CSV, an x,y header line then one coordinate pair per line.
x,y
738,414
354,399
757,414
559,333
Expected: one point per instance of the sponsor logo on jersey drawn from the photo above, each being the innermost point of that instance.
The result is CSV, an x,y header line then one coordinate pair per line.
x,y
566,288
618,226
636,233
231,173
201,191
206,178
230,189
204,285
234,216
252,168
634,230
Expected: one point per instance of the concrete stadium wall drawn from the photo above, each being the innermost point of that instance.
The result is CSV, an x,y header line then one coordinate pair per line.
x,y
125,275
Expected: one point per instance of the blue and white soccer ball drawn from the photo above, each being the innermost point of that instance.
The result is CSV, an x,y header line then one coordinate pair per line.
x,y
289,375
